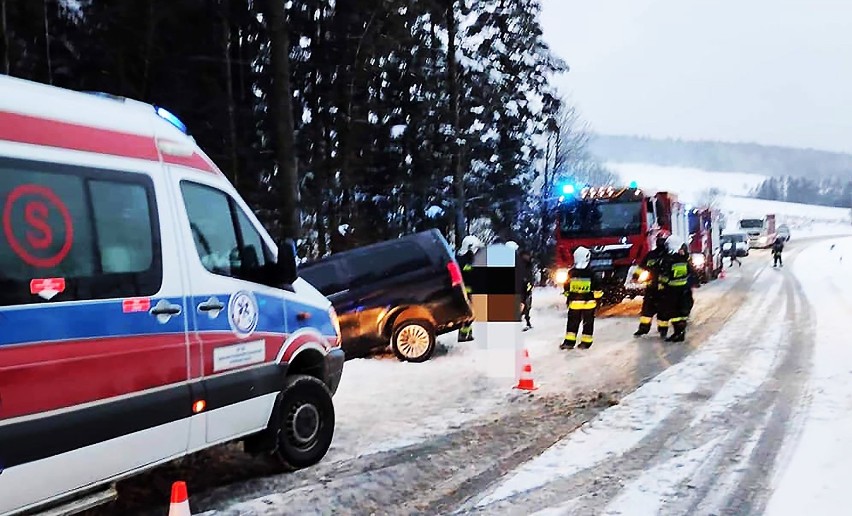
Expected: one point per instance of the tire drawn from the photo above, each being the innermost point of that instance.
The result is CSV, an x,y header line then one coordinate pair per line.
x,y
305,424
413,340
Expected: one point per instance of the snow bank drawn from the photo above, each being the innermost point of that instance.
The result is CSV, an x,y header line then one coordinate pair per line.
x,y
816,478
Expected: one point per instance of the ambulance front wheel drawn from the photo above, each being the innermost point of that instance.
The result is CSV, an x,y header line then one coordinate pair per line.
x,y
306,422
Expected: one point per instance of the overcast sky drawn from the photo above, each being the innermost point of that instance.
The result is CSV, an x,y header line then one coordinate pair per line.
x,y
768,71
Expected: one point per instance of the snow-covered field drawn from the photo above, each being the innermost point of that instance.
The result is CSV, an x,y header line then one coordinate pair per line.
x,y
690,184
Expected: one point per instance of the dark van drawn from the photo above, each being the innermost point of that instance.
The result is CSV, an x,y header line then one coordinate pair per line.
x,y
402,292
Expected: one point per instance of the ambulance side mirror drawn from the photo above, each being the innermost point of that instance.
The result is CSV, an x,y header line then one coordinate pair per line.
x,y
285,267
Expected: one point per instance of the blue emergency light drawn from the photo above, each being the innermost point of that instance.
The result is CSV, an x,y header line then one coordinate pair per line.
x,y
633,184
171,118
568,189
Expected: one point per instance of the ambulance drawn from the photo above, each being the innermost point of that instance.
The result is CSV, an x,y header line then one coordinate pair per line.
x,y
145,314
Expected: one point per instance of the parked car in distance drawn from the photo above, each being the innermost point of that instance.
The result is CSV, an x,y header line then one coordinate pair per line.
x,y
784,232
738,241
403,292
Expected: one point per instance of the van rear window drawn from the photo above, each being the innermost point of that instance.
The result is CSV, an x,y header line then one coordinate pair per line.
x,y
96,230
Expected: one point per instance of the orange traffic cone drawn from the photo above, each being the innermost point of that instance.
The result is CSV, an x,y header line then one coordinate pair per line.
x,y
526,382
179,505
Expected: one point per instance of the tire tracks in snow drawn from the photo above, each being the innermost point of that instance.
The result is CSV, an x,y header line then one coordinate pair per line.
x,y
746,431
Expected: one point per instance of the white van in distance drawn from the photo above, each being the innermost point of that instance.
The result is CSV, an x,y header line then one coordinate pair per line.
x,y
145,314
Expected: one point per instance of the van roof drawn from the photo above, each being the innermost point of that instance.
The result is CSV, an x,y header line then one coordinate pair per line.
x,y
37,114
369,247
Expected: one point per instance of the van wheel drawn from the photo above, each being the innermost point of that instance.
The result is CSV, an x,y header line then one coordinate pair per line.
x,y
413,340
306,422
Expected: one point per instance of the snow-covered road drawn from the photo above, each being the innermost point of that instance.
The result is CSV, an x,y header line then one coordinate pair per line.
x,y
700,431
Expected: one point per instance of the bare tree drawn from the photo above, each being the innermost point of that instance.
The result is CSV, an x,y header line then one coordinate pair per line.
x,y
455,147
710,198
225,7
47,45
281,111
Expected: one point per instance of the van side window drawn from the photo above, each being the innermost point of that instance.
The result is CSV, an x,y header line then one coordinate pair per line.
x,y
404,257
324,277
227,242
95,230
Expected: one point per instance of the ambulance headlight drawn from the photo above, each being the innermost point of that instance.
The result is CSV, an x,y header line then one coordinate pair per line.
x,y
561,276
698,260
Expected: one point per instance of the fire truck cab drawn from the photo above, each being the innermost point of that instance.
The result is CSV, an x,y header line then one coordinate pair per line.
x,y
705,247
619,225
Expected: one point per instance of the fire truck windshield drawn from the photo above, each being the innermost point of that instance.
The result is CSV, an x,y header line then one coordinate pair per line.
x,y
751,223
600,218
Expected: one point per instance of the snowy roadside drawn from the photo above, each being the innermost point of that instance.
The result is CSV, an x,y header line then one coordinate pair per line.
x,y
819,464
623,427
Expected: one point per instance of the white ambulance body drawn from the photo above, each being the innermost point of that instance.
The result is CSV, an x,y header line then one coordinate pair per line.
x,y
144,312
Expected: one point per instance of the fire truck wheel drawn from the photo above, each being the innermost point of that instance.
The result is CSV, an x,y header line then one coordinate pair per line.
x,y
305,422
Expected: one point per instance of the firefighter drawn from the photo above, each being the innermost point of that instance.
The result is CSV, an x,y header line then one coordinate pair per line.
x,y
677,277
777,249
650,303
469,247
582,292
526,275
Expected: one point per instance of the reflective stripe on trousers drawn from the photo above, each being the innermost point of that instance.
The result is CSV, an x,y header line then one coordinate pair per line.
x,y
582,305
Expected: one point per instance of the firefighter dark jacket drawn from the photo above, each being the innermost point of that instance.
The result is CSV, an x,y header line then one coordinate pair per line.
x,y
652,262
677,272
582,289
465,261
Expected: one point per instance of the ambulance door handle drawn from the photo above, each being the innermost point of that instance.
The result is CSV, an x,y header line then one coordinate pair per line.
x,y
165,310
211,305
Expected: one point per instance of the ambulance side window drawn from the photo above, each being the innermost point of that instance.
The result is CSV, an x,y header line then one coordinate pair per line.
x,y
76,233
226,241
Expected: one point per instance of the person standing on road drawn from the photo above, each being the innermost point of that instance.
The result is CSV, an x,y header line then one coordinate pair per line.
x,y
677,278
526,275
777,249
469,247
733,253
582,292
650,300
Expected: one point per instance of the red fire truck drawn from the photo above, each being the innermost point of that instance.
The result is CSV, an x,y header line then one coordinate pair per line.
x,y
705,247
619,225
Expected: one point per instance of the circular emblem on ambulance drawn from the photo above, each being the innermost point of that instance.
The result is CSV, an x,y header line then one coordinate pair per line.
x,y
243,313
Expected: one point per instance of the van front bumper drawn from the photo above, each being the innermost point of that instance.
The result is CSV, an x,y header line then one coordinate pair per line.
x,y
334,368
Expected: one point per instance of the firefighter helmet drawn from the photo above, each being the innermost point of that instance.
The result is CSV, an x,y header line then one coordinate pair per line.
x,y
582,257
674,243
662,235
470,243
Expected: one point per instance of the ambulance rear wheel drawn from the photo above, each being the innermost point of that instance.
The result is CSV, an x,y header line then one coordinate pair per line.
x,y
306,422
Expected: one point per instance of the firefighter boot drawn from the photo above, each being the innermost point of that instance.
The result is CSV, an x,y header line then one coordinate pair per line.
x,y
465,334
678,336
644,327
569,342
585,342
